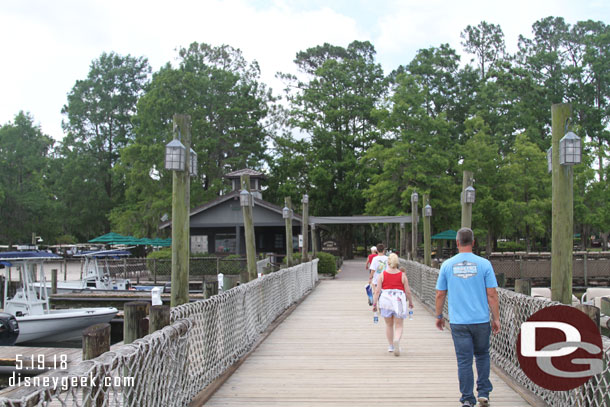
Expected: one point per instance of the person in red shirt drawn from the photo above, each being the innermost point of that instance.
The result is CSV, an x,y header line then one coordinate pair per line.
x,y
370,258
392,293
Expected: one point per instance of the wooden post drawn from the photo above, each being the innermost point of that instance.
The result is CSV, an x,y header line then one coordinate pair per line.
x,y
584,267
592,312
154,271
288,222
53,281
229,281
135,311
501,279
180,216
211,288
523,286
250,272
427,242
314,241
402,249
466,207
65,270
159,317
605,305
414,221
562,214
305,230
96,340
520,266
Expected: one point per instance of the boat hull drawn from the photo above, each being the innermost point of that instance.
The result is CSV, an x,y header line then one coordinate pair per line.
x,y
61,325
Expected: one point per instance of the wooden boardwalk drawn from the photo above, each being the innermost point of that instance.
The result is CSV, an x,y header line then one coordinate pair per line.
x,y
328,352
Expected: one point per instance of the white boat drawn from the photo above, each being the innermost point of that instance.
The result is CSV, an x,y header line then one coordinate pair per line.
x,y
30,305
96,274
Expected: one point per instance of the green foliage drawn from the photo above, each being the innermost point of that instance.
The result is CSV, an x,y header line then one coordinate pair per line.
x,y
66,239
160,254
511,246
327,263
99,116
27,202
335,106
228,106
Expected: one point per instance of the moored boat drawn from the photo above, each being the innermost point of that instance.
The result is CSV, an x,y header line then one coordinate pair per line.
x,y
30,304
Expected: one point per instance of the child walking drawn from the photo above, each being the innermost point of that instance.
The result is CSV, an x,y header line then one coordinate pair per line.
x,y
391,294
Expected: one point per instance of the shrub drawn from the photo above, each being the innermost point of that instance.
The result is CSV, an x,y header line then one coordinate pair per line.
x,y
161,254
511,246
327,264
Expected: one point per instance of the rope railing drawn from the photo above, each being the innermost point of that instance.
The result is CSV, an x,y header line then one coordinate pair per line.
x,y
515,309
171,366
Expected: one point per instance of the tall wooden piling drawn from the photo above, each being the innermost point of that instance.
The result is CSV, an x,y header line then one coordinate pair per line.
x,y
180,216
53,281
563,212
250,273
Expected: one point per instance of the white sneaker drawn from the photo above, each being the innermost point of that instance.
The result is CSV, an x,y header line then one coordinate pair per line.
x,y
390,348
396,348
483,402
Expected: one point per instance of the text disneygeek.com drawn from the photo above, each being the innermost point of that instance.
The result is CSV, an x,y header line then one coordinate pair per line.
x,y
66,383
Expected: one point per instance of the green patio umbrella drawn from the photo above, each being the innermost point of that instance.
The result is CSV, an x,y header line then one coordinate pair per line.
x,y
445,235
109,238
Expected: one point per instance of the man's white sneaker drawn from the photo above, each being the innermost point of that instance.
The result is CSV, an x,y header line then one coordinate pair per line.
x,y
483,402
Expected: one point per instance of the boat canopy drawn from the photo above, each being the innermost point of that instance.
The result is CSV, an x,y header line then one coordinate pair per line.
x,y
104,253
30,255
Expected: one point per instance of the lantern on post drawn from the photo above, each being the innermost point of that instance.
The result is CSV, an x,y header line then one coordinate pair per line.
x,y
305,199
175,153
569,149
414,197
549,158
469,195
427,211
245,198
286,213
193,163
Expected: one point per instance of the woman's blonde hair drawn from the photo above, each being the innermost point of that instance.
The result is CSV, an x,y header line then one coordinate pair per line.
x,y
393,260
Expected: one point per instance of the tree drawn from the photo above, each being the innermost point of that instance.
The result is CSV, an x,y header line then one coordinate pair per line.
x,y
98,125
334,102
229,111
486,42
335,106
482,157
26,202
528,190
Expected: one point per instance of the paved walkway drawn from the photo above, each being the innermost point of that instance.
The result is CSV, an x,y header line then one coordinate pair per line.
x,y
328,352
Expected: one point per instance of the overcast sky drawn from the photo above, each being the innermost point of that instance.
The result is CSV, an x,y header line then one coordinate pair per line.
x,y
47,45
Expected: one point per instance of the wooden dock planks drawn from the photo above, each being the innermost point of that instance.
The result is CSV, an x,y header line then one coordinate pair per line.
x,y
329,353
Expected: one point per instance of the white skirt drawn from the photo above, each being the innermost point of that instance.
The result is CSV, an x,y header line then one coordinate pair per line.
x,y
395,301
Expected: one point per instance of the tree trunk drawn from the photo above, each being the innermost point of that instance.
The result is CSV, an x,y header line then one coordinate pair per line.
x,y
489,246
387,236
604,241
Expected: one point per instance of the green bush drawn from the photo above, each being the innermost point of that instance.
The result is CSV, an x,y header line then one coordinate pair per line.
x,y
511,246
161,254
327,264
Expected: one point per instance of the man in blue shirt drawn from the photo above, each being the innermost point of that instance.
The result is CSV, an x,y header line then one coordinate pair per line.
x,y
471,284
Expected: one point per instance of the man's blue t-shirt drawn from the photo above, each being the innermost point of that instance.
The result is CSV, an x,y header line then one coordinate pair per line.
x,y
467,276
